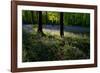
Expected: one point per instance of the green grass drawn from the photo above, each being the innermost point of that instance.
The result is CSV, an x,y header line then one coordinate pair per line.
x,y
52,47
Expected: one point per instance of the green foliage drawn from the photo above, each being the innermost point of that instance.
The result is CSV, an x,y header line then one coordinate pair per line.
x,y
77,19
53,17
70,19
29,17
52,47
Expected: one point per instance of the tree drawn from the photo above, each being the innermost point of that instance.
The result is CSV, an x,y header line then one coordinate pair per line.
x,y
40,21
46,17
40,31
25,17
32,16
61,25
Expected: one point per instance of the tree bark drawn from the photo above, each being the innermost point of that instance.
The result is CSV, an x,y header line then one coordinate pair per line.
x,y
40,21
61,25
40,31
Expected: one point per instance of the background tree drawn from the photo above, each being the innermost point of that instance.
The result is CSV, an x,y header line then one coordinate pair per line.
x,y
46,17
61,25
32,17
49,17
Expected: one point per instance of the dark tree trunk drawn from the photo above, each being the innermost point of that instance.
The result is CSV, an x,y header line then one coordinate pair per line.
x,y
61,25
40,21
32,17
40,31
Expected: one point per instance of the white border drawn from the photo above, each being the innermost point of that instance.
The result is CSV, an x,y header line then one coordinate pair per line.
x,y
20,64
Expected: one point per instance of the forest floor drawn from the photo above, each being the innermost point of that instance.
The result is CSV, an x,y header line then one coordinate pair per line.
x,y
52,47
57,28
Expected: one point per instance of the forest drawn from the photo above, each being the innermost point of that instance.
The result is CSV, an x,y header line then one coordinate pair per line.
x,y
70,19
50,36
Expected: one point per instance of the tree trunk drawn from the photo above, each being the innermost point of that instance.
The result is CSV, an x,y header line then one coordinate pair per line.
x,y
26,16
32,17
40,31
61,25
40,22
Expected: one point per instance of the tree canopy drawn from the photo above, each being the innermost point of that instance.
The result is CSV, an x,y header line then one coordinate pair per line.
x,y
69,19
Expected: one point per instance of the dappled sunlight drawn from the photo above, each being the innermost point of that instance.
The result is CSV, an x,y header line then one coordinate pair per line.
x,y
52,47
52,36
